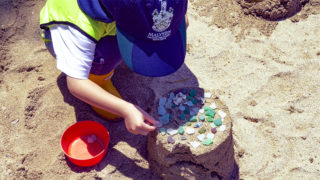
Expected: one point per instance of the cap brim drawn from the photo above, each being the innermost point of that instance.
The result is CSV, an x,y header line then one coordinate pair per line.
x,y
153,58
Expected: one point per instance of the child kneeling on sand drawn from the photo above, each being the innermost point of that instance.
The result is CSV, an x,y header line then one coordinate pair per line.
x,y
90,38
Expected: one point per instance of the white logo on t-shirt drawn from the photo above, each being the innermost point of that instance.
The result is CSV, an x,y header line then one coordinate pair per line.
x,y
161,22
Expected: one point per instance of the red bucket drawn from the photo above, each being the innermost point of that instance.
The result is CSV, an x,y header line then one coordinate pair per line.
x,y
85,143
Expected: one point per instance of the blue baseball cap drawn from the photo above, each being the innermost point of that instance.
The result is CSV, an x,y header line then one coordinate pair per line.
x,y
151,34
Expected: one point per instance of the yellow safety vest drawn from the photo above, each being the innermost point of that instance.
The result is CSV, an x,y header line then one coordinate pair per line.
x,y
68,12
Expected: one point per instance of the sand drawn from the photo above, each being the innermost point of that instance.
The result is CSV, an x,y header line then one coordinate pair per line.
x,y
266,72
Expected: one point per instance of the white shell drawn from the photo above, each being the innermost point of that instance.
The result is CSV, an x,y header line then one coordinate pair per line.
x,y
213,125
171,131
213,106
222,114
222,128
201,137
190,130
195,144
207,94
203,100
210,136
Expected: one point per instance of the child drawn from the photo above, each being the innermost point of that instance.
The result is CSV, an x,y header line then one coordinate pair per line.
x,y
89,39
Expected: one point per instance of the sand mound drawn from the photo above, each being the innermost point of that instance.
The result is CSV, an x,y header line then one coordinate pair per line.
x,y
272,9
181,157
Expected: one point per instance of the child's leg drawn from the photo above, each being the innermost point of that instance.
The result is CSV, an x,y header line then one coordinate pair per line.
x,y
107,58
105,82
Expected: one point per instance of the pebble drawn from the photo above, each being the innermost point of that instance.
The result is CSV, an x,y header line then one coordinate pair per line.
x,y
213,106
190,103
15,121
183,138
213,130
3,108
207,142
207,108
184,90
202,117
162,131
161,110
199,124
210,136
182,108
91,138
213,125
201,111
202,130
183,95
210,113
193,119
168,105
203,100
181,130
222,128
194,111
164,119
222,114
209,119
182,116
171,96
217,122
190,130
170,140
207,94
162,101
188,123
187,110
201,137
193,92
177,100
171,131
195,101
195,144
190,98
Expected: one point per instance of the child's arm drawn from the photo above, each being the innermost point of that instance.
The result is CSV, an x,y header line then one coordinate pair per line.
x,y
91,93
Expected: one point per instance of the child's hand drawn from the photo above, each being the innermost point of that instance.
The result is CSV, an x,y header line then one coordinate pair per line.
x,y
135,121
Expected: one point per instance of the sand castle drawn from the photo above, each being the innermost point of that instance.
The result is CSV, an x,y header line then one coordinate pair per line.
x,y
194,139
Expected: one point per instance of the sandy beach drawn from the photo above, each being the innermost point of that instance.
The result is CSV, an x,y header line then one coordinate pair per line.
x,y
266,72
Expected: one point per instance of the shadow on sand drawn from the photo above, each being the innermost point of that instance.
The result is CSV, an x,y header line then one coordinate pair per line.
x,y
135,89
